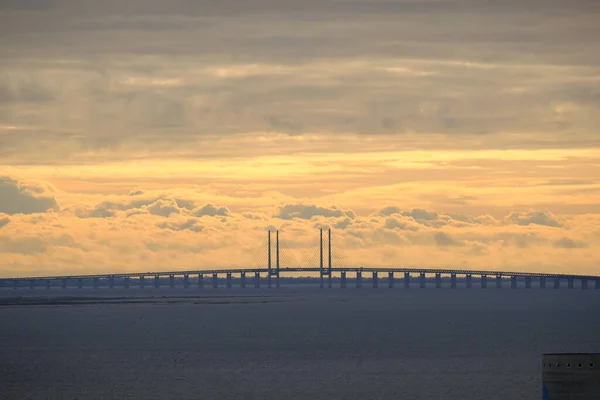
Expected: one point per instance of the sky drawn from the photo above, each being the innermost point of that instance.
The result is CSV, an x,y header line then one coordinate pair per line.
x,y
153,135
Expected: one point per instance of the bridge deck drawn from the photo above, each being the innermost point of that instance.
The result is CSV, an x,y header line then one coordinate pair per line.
x,y
337,269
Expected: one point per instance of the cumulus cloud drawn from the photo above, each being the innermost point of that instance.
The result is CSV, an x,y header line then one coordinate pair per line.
x,y
533,218
211,211
249,215
4,221
343,223
400,219
19,198
302,211
389,211
410,219
443,239
189,225
568,243
163,207
98,212
400,223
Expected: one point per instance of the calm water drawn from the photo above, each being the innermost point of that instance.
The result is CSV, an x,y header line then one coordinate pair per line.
x,y
366,344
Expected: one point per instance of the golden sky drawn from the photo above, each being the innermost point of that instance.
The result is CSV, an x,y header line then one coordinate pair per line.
x,y
139,136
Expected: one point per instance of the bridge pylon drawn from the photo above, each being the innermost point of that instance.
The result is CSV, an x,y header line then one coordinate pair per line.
x,y
325,271
273,272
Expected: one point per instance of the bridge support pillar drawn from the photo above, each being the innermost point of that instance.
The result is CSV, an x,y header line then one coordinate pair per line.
x,y
48,284
156,281
343,280
391,280
375,280
406,280
584,284
498,281
111,282
438,280
186,281
556,283
228,280
468,279
63,283
484,281
542,282
570,283
142,281
171,281
15,283
597,284
453,281
257,280
243,280
358,279
323,274
513,282
31,284
96,283
126,282
527,282
215,281
200,281
422,280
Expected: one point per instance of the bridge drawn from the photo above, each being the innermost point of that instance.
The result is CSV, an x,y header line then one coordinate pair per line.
x,y
327,274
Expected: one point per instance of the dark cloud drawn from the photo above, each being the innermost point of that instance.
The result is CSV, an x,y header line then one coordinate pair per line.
x,y
389,211
249,215
19,198
443,240
343,223
187,204
98,212
533,218
291,211
567,243
22,245
163,208
566,182
23,92
4,221
159,205
395,223
190,225
421,215
211,211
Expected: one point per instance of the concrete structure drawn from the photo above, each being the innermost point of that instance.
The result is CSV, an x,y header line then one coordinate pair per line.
x,y
571,376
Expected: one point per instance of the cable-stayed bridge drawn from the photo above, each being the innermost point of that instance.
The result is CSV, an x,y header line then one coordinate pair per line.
x,y
330,264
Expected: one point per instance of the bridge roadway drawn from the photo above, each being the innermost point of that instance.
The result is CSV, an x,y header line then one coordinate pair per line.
x,y
325,273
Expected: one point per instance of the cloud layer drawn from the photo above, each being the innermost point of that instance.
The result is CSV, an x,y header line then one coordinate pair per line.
x,y
80,80
145,135
173,229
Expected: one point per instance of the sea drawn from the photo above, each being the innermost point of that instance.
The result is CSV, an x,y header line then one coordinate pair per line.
x,y
288,343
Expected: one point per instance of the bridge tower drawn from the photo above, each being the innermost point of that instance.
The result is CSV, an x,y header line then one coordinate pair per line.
x,y
325,272
273,272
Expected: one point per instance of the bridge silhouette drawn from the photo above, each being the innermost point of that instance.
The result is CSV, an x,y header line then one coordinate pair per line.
x,y
329,263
